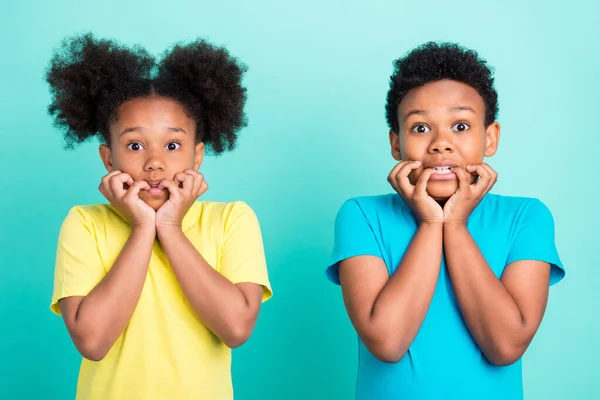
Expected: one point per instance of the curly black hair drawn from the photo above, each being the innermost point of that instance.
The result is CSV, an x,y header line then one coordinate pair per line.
x,y
90,78
432,62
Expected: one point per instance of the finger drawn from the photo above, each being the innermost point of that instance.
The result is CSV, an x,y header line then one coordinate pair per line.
x,y
106,178
203,188
484,178
117,183
402,179
464,179
493,175
180,178
197,178
134,190
394,171
188,185
421,186
104,182
171,186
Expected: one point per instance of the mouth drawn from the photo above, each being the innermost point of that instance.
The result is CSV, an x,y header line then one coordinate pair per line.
x,y
442,171
154,189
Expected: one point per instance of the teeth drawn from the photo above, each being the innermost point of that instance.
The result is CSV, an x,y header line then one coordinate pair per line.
x,y
442,170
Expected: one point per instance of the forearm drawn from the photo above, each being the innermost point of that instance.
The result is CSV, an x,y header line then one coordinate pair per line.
x,y
105,312
217,302
401,306
490,312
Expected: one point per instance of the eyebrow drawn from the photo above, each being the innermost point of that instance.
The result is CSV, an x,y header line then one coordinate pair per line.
x,y
453,109
138,128
463,108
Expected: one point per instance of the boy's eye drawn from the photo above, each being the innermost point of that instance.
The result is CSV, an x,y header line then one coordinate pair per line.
x,y
173,146
421,128
135,146
460,127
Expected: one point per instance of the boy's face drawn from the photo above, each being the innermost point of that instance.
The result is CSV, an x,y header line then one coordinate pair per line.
x,y
442,124
152,139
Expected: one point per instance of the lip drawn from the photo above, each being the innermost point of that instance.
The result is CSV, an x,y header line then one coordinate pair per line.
x,y
155,191
442,177
443,163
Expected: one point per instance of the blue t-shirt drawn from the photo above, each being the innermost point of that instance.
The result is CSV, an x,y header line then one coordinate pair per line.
x,y
443,362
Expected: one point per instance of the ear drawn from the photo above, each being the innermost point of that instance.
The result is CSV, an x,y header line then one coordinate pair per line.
x,y
492,137
106,157
395,145
199,156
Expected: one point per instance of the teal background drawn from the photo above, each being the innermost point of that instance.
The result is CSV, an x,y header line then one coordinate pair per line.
x,y
317,80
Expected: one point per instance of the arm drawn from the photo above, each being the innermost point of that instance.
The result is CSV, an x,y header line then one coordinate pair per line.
x,y
97,320
502,315
228,310
387,312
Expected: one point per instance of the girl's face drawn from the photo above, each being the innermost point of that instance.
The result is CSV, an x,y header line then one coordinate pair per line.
x,y
152,139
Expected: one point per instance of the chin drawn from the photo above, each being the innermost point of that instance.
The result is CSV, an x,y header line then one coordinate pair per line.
x,y
154,202
442,190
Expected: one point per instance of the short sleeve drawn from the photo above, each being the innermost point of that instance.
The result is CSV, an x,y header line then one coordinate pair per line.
x,y
243,256
534,240
353,236
79,267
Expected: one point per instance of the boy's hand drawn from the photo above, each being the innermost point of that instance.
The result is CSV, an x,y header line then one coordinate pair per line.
x,y
183,192
459,206
426,209
123,193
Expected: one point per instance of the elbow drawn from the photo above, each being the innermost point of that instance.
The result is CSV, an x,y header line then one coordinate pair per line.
x,y
90,348
505,354
387,350
237,334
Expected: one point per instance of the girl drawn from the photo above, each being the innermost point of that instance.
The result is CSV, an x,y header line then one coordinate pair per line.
x,y
154,287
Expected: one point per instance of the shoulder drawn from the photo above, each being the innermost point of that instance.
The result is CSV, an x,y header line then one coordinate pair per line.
x,y
223,210
514,209
93,214
223,216
371,206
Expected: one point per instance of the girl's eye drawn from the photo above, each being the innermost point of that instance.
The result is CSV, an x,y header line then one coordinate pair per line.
x,y
421,128
460,127
135,146
173,146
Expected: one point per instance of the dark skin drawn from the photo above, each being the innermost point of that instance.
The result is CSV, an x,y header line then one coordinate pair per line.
x,y
441,175
152,181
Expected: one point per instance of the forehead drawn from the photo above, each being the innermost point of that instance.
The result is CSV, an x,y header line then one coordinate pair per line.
x,y
441,96
152,112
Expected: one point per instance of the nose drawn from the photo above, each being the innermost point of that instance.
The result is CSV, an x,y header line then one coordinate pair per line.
x,y
154,162
441,143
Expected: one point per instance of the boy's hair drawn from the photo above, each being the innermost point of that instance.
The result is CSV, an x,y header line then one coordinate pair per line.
x,y
90,78
433,62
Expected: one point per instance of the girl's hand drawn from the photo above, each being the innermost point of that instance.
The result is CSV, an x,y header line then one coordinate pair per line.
x,y
459,207
425,208
123,193
183,192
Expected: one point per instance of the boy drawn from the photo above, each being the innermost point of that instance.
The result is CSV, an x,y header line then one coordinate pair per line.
x,y
444,283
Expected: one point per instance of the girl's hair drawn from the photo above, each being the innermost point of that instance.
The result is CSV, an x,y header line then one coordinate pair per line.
x,y
91,78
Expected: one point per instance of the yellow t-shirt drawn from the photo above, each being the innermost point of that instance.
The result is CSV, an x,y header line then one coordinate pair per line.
x,y
165,352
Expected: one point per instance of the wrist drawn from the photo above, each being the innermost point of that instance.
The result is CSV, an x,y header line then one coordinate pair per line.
x,y
142,230
168,229
455,224
431,224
